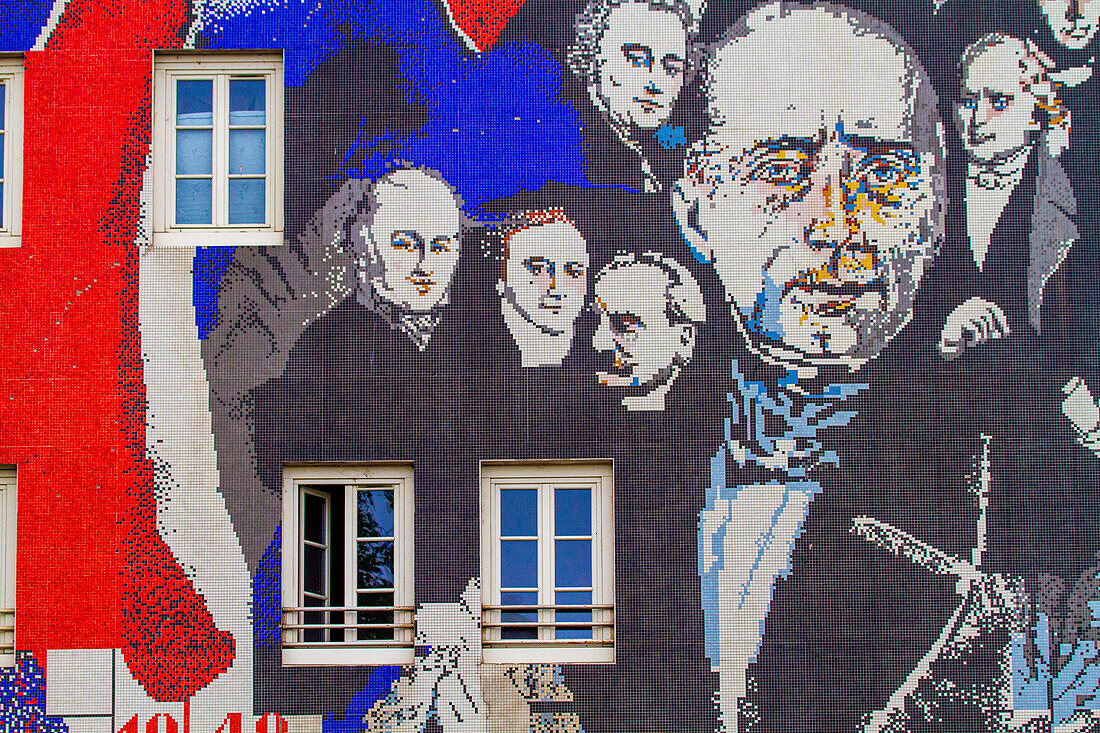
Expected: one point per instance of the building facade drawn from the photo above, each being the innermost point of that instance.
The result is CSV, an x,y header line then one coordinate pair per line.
x,y
549,365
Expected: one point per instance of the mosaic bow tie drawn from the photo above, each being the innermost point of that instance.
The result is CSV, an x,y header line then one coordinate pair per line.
x,y
989,178
783,427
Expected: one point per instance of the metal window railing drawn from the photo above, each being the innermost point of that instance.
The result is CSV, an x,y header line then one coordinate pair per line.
x,y
295,626
7,631
601,625
330,621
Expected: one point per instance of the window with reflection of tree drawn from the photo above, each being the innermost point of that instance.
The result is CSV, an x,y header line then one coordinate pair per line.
x,y
374,558
353,553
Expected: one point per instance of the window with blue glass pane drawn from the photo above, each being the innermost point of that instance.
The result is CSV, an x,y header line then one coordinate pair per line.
x,y
572,561
194,151
218,166
11,150
247,151
550,569
374,585
3,140
519,562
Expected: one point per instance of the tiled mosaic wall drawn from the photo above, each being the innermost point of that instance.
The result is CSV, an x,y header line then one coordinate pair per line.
x,y
760,259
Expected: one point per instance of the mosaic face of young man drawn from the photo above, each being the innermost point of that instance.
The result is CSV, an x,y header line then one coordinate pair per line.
x,y
546,275
642,61
414,240
818,189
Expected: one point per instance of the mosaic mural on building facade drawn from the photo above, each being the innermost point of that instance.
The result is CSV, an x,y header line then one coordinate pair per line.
x,y
755,258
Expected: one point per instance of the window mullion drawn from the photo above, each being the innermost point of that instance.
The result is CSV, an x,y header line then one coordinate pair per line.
x,y
498,558
171,103
5,561
597,558
602,575
220,168
398,559
351,554
404,589
546,558
402,594
8,522
298,540
269,157
496,562
300,537
5,214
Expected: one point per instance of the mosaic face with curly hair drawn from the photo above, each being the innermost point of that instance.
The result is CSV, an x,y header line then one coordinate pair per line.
x,y
642,60
634,56
1002,106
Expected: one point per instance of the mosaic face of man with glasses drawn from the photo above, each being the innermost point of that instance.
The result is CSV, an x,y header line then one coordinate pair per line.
x,y
650,309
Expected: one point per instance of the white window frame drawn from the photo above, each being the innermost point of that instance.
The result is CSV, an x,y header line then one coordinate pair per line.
x,y
8,506
545,476
11,75
399,477
168,67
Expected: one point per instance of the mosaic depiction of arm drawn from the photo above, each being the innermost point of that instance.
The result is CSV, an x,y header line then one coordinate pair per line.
x,y
267,298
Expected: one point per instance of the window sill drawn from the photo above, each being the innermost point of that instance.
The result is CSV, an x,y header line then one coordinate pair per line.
x,y
11,240
549,654
331,655
218,238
